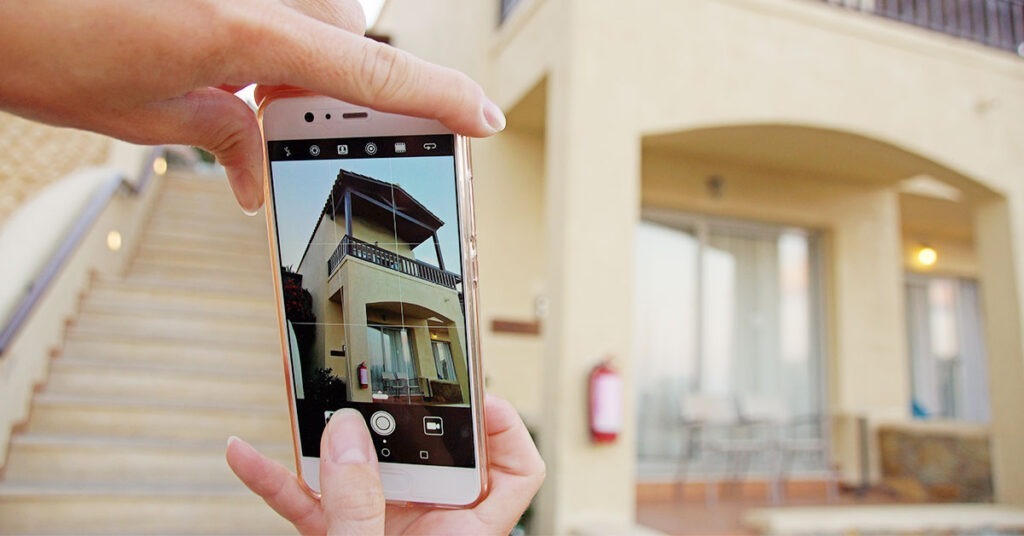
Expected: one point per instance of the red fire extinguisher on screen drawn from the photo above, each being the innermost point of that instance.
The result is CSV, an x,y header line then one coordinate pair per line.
x,y
605,403
364,375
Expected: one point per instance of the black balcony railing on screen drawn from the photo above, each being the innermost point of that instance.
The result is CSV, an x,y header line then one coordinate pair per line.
x,y
995,23
351,246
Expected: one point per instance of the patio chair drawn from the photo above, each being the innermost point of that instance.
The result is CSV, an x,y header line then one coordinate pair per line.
x,y
712,424
792,436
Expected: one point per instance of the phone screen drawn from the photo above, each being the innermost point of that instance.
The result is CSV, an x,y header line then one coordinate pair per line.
x,y
368,240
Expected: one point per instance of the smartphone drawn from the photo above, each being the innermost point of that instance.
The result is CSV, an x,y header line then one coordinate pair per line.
x,y
370,217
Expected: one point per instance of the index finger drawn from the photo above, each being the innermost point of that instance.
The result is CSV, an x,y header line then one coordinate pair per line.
x,y
322,58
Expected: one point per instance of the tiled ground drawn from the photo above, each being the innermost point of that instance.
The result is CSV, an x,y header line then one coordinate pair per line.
x,y
659,506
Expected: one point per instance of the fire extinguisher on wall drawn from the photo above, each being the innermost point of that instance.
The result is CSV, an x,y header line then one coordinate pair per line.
x,y
606,392
364,375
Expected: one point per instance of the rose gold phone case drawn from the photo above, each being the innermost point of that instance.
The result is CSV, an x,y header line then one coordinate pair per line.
x,y
464,192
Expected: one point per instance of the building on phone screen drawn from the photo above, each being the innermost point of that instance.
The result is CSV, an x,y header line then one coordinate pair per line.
x,y
376,306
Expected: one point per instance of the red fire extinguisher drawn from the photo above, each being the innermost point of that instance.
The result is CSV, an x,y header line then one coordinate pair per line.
x,y
364,375
605,403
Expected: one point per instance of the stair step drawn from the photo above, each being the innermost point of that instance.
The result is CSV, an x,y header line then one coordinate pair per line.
x,y
176,292
209,239
237,253
211,205
62,459
186,179
182,420
222,264
269,345
71,377
183,353
156,325
180,307
205,286
261,279
252,368
224,225
211,258
135,510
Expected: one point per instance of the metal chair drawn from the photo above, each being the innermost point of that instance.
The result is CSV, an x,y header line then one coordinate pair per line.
x,y
790,436
712,424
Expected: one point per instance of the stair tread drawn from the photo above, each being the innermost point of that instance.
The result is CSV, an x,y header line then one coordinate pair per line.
x,y
251,290
268,344
85,401
154,285
82,441
112,307
211,372
77,489
189,338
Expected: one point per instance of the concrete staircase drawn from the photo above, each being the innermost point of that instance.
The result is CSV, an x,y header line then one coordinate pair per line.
x,y
159,368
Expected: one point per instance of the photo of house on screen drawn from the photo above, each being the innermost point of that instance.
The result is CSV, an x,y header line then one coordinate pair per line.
x,y
389,326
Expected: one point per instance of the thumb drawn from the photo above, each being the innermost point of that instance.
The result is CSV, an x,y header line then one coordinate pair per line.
x,y
350,490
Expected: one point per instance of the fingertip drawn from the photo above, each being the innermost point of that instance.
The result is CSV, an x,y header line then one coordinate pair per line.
x,y
246,189
494,118
348,440
242,457
237,444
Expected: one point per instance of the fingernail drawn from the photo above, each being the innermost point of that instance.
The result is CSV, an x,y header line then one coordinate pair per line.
x,y
494,116
240,444
248,198
348,441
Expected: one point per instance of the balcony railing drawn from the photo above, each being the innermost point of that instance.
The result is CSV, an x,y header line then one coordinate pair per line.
x,y
995,23
351,246
507,6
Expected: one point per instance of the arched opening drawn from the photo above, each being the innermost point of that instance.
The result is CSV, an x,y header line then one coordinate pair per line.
x,y
775,281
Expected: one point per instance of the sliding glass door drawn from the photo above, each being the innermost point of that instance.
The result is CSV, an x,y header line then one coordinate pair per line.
x,y
725,309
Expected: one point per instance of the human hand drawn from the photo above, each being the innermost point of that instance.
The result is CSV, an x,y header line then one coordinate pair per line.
x,y
352,500
162,71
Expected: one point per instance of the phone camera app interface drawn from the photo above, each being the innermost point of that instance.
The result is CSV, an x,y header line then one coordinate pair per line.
x,y
371,269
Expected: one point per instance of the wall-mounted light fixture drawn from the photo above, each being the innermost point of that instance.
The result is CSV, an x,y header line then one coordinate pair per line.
x,y
716,186
926,256
160,165
114,240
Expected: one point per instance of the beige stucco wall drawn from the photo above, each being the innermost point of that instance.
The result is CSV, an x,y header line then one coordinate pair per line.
x,y
615,75
365,284
313,268
37,155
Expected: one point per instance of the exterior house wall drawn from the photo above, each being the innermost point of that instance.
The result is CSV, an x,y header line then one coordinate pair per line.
x,y
614,76
374,234
313,268
864,276
366,284
341,299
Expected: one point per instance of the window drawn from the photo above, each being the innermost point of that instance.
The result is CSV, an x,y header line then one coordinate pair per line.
x,y
723,309
949,378
443,360
391,355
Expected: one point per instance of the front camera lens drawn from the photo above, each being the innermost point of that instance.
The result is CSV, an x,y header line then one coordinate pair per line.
x,y
309,117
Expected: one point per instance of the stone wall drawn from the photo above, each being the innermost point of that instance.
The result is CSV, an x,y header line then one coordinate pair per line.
x,y
35,155
938,461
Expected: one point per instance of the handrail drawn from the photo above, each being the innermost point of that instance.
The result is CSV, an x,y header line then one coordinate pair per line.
x,y
994,23
97,204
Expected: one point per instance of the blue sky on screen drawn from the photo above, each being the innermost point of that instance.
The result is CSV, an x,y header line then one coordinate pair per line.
x,y
301,189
